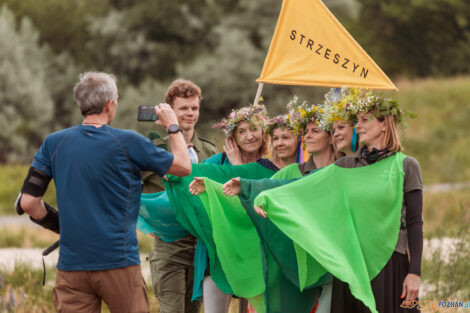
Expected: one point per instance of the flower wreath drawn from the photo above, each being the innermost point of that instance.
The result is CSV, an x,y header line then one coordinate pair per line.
x,y
255,115
355,100
304,113
282,121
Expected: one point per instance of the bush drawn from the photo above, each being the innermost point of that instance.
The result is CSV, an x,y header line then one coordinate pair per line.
x,y
447,272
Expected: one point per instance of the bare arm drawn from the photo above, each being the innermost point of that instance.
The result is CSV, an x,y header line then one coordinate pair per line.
x,y
181,165
34,206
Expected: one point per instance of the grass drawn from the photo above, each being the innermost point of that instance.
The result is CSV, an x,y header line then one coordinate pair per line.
x,y
36,237
442,211
439,138
447,273
21,291
26,237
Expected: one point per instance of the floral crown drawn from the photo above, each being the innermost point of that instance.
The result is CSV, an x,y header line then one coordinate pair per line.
x,y
304,113
355,100
358,100
335,109
255,115
282,121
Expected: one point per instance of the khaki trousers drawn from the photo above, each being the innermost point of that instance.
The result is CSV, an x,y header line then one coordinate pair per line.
x,y
172,268
122,289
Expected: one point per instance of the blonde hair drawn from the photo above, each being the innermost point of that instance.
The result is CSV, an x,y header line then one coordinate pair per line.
x,y
265,144
391,139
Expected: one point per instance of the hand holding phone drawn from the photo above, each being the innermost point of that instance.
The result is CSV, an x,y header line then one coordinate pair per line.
x,y
147,113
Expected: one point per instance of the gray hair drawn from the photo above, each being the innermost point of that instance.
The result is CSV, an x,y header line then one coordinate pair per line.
x,y
93,91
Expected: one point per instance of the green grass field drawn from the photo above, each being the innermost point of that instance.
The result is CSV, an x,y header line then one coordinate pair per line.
x,y
440,137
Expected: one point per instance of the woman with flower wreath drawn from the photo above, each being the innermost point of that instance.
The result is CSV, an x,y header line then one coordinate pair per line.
x,y
372,213
338,114
284,141
246,142
344,138
399,280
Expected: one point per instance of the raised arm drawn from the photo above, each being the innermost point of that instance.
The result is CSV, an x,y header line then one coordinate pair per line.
x,y
181,165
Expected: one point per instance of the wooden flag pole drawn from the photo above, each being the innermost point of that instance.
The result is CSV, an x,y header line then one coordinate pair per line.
x,y
258,93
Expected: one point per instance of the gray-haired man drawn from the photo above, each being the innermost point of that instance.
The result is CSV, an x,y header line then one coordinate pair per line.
x,y
96,170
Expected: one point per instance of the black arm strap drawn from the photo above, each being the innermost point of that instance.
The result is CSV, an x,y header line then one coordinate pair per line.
x,y
50,221
35,183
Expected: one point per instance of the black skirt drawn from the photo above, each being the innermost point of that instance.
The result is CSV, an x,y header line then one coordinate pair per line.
x,y
387,287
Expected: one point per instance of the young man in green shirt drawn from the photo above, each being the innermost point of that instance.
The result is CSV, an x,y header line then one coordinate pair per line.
x,y
172,263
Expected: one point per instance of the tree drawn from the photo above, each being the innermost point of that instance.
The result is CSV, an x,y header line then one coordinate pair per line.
x,y
61,24
418,38
26,104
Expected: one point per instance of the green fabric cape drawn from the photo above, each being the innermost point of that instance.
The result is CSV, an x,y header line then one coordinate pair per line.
x,y
283,293
236,240
190,212
344,221
156,216
260,256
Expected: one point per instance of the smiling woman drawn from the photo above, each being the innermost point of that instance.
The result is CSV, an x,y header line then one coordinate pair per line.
x,y
318,143
246,142
249,140
343,134
285,143
284,140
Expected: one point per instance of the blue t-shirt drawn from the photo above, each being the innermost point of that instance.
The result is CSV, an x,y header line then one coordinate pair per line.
x,y
96,172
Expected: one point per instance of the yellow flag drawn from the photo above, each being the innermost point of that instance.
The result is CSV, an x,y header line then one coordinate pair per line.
x,y
311,48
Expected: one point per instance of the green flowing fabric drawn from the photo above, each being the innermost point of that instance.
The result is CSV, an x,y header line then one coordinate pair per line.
x,y
236,240
283,292
344,221
191,213
288,172
156,216
270,263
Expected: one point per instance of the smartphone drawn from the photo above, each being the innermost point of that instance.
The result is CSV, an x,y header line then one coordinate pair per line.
x,y
147,113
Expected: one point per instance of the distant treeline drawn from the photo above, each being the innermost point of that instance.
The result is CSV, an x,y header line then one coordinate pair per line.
x,y
220,44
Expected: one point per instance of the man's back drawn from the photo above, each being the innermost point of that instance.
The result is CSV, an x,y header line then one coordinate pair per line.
x,y
96,171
